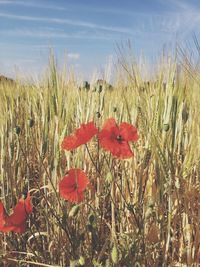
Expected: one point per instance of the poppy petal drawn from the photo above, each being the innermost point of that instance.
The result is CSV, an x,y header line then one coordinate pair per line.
x,y
128,131
75,197
80,137
115,138
121,150
28,204
82,181
16,222
4,227
70,142
109,124
20,212
66,185
2,215
72,186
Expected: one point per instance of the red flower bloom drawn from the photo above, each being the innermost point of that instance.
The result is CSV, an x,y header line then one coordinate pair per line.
x,y
80,137
16,222
115,138
72,185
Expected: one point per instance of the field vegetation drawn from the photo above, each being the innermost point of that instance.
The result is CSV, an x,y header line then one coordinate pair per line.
x,y
143,210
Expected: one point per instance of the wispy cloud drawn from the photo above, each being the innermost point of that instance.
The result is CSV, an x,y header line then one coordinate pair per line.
x,y
141,23
188,15
35,33
70,22
31,4
47,34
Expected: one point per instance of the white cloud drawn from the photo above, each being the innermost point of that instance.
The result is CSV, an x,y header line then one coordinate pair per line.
x,y
73,56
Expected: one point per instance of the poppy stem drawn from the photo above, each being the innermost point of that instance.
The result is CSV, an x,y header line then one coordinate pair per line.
x,y
66,228
113,210
47,172
96,165
92,160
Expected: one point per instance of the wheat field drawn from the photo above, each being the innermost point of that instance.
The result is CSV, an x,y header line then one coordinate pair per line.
x,y
142,211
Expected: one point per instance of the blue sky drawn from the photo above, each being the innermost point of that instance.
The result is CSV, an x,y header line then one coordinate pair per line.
x,y
86,31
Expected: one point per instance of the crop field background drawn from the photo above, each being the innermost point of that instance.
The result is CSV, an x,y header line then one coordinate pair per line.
x,y
142,211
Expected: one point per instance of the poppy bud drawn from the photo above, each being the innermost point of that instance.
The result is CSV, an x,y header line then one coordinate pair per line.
x,y
95,89
98,114
89,227
148,213
86,85
114,254
81,261
185,113
108,264
30,122
151,203
147,158
25,189
17,130
91,218
130,207
99,88
137,264
73,263
166,127
82,237
109,177
74,211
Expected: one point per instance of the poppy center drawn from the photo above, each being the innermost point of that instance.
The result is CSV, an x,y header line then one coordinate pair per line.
x,y
75,186
119,138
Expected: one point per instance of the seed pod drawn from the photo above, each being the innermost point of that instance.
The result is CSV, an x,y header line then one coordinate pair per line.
x,y
148,213
185,113
107,264
11,150
74,211
17,130
98,114
95,89
86,85
109,177
166,127
114,254
89,227
31,122
147,158
44,148
91,218
151,203
99,88
82,237
137,264
73,263
81,261
130,207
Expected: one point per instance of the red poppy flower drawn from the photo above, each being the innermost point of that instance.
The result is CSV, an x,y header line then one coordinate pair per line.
x,y
16,222
115,138
72,185
80,137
